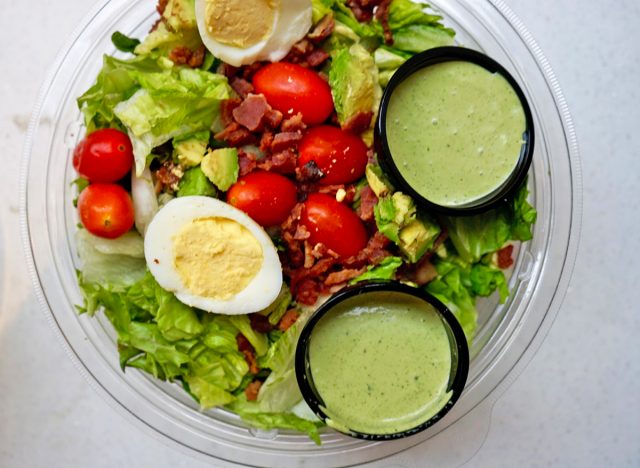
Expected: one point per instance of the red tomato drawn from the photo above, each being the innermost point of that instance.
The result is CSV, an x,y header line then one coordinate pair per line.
x,y
333,224
106,210
291,88
103,156
266,197
342,156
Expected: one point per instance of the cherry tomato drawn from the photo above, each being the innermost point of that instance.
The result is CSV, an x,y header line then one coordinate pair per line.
x,y
291,88
106,210
342,156
266,197
103,156
333,224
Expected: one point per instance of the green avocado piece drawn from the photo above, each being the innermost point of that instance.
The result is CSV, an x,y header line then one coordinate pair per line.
x,y
378,181
194,182
190,151
418,237
221,167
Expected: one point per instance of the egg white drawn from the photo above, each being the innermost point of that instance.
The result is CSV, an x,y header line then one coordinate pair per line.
x,y
261,291
292,21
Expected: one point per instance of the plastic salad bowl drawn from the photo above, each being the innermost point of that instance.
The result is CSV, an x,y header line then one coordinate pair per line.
x,y
508,335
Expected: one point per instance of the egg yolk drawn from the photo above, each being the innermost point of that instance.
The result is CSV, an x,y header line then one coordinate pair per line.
x,y
240,23
216,257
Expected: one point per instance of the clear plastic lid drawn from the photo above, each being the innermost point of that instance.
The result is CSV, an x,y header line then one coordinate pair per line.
x,y
508,335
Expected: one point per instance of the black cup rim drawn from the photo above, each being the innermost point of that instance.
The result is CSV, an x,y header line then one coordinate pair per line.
x,y
302,353
448,54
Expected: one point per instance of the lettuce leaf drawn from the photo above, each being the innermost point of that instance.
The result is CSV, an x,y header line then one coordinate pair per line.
x,y
170,104
385,270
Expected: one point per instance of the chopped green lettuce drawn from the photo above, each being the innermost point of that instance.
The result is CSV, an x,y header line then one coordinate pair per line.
x,y
419,37
385,270
170,104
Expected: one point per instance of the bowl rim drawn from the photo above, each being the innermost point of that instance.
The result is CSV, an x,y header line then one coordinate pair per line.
x,y
436,56
457,336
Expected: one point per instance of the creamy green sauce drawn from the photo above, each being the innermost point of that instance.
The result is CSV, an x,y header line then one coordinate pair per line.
x,y
455,131
381,363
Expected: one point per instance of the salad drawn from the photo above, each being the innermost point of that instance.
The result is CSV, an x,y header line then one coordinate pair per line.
x,y
253,147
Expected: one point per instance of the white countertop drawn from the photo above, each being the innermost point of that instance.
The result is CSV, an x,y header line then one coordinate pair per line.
x,y
576,404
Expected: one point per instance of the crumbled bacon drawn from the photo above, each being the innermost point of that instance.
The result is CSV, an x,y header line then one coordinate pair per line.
x,y
265,141
252,390
317,58
358,123
293,124
368,201
246,162
289,318
344,275
260,323
283,162
308,292
251,112
161,6
227,70
382,15
181,55
505,259
248,71
322,30
168,176
235,135
423,272
285,140
226,110
273,118
349,195
245,347
241,86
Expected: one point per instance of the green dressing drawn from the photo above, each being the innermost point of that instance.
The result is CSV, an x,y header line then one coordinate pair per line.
x,y
381,363
455,131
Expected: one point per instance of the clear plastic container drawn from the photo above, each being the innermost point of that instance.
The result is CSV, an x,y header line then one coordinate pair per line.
x,y
508,335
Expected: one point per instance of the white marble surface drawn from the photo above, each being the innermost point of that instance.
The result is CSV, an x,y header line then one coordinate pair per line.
x,y
577,402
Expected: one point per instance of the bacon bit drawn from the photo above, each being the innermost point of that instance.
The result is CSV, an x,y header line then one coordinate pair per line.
x,y
382,15
358,123
289,318
235,135
273,118
252,390
161,6
283,162
226,110
350,191
301,233
260,323
245,347
155,25
368,201
424,272
309,259
197,58
248,71
322,30
246,162
285,140
307,292
320,250
374,252
362,9
293,124
342,276
227,70
310,172
371,156
181,55
317,58
241,86
168,176
250,113
294,217
265,141
505,259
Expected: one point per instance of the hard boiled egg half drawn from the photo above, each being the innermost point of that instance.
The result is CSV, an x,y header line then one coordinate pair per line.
x,y
240,32
212,256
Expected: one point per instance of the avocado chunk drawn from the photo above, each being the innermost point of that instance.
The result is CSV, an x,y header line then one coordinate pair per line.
x,y
190,150
194,182
378,181
398,219
418,237
221,167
